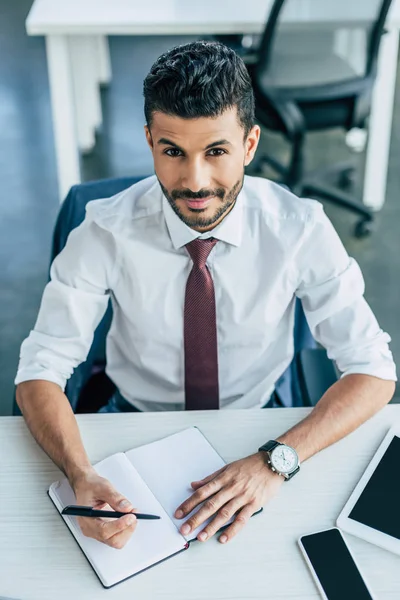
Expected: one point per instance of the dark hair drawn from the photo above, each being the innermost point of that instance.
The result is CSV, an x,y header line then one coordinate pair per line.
x,y
200,79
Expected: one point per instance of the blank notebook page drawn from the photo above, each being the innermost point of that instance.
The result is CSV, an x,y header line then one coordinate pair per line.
x,y
151,542
168,466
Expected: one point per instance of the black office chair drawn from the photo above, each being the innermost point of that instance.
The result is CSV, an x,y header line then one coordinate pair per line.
x,y
304,81
89,388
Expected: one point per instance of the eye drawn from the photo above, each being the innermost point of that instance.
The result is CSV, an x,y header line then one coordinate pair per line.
x,y
175,152
218,152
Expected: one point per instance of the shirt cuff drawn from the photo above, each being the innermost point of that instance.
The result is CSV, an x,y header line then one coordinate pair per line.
x,y
386,372
29,374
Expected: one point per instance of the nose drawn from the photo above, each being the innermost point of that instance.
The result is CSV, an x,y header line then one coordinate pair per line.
x,y
195,176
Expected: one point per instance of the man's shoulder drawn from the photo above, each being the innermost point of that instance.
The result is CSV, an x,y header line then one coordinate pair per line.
x,y
141,200
275,202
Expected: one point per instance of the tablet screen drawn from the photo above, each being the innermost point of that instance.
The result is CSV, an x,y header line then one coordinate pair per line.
x,y
379,504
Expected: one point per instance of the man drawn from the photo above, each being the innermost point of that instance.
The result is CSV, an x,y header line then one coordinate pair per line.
x,y
203,266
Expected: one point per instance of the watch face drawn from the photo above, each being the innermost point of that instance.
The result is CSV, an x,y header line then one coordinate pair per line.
x,y
284,459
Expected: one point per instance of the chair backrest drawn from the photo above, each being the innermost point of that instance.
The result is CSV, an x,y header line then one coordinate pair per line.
x,y
309,43
71,214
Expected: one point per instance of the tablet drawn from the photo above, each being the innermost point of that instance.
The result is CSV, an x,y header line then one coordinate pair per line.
x,y
373,510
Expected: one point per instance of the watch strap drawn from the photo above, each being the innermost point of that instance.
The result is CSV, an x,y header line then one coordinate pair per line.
x,y
269,446
290,475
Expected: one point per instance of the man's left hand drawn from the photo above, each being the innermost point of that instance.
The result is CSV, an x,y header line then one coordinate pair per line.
x,y
240,488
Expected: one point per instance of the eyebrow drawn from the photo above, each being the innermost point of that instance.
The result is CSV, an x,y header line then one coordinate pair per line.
x,y
167,142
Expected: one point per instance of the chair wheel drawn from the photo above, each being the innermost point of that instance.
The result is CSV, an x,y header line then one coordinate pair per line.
x,y
363,228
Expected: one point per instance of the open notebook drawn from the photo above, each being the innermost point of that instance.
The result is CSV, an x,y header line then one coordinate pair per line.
x,y
156,479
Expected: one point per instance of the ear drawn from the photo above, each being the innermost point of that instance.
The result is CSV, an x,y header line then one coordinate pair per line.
x,y
251,144
148,137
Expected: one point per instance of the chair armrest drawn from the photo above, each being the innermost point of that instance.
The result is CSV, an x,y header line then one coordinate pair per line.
x,y
316,374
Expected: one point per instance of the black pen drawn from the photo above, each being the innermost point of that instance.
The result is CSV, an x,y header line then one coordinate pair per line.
x,y
88,511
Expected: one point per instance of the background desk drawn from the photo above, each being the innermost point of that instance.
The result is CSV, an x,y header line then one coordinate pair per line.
x,y
40,560
78,60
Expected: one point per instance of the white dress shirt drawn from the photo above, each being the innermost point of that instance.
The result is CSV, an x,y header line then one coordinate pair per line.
x,y
273,247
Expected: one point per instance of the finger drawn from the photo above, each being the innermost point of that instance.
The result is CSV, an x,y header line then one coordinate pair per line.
x,y
105,506
209,508
111,527
225,513
109,508
103,529
119,540
200,482
240,521
111,496
198,497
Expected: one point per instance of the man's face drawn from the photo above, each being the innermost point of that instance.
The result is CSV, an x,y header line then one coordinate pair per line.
x,y
200,164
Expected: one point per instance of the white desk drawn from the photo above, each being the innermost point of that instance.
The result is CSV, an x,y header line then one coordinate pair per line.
x,y
77,56
40,560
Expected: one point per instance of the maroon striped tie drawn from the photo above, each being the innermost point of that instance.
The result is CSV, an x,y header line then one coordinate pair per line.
x,y
200,331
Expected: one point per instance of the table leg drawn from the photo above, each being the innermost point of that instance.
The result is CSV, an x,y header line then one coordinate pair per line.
x,y
99,73
104,59
84,60
63,112
380,123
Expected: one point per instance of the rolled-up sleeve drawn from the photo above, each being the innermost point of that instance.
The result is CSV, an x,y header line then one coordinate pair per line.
x,y
331,288
72,306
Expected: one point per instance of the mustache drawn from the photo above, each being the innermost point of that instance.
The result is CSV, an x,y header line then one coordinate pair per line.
x,y
201,195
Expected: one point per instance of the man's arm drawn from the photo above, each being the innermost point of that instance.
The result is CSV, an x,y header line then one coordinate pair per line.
x,y
52,423
331,288
245,485
345,406
73,304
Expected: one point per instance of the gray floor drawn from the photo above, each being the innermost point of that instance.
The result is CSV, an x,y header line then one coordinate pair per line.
x,y
29,203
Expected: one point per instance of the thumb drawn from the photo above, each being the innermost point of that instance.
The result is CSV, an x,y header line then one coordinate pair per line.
x,y
116,500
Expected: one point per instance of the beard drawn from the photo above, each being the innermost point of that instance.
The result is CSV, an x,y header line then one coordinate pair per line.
x,y
227,200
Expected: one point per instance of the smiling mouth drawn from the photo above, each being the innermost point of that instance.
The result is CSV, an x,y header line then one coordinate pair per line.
x,y
198,203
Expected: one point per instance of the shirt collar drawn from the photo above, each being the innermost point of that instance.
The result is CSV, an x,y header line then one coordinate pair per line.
x,y
229,230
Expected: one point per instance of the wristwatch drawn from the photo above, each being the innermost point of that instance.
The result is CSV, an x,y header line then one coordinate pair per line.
x,y
282,459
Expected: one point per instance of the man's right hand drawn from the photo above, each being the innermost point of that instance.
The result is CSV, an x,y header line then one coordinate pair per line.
x,y
95,491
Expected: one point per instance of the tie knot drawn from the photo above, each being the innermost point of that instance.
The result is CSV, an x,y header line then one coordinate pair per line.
x,y
199,250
